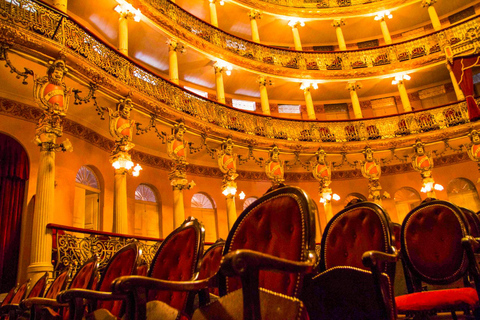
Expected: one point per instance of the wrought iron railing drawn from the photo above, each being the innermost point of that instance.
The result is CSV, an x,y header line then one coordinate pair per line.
x,y
28,15
73,246
308,60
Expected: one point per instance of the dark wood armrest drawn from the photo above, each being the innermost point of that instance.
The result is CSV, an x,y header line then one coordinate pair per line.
x,y
239,262
129,283
72,294
371,258
9,308
471,244
43,302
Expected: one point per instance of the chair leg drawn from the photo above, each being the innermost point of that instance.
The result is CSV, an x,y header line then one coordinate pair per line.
x,y
454,315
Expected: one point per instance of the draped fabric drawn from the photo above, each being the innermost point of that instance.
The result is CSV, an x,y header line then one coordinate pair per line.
x,y
14,171
462,69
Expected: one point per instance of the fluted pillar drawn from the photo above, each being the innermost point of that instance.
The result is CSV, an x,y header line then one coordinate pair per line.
x,y
262,82
120,213
337,24
41,247
381,16
231,211
213,13
296,35
254,15
456,88
178,205
61,5
173,48
327,206
353,86
306,86
404,96
123,34
219,70
432,13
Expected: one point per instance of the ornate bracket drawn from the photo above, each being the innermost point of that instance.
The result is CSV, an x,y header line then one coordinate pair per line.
x,y
4,57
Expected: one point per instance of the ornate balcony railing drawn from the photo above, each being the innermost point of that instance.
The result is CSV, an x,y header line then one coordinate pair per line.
x,y
73,246
317,63
23,15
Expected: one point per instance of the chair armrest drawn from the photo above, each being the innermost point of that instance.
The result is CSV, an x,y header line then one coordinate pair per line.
x,y
127,284
371,258
69,295
8,308
44,302
239,262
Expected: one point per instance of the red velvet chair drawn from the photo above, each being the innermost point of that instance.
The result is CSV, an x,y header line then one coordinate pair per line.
x,y
48,307
356,269
176,260
267,253
209,267
437,249
124,262
9,295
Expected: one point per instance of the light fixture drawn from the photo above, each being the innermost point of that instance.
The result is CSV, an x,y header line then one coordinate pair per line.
x,y
382,14
229,191
308,84
241,195
221,2
400,77
328,196
124,162
430,186
292,23
224,67
126,8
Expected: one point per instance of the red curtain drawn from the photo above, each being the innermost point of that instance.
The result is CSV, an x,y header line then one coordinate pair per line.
x,y
14,171
462,68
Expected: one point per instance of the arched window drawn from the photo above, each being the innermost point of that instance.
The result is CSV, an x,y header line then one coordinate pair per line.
x,y
353,195
406,199
203,208
248,201
463,193
148,217
86,212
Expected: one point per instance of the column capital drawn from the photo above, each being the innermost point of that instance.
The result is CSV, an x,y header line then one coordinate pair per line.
x,y
127,11
263,81
222,68
173,45
381,16
307,86
221,2
428,3
353,86
337,23
296,23
181,184
255,14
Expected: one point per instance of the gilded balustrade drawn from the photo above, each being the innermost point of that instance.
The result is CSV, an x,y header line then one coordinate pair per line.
x,y
48,23
429,45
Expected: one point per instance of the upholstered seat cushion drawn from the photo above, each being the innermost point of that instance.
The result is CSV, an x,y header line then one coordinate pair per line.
x,y
436,300
272,305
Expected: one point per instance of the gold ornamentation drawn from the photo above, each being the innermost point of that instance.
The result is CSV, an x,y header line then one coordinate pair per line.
x,y
274,167
227,161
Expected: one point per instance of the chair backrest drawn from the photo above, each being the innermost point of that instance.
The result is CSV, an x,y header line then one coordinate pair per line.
x,y
211,262
20,293
123,263
177,259
84,277
142,269
39,287
59,284
10,295
359,227
473,222
431,242
397,230
280,223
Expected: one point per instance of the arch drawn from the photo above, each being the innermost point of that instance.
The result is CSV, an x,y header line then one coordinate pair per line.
x,y
148,211
406,199
353,195
14,174
248,201
204,209
88,199
463,193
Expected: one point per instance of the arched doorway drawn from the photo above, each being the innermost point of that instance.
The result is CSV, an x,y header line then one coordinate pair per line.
x,y
148,217
14,173
406,199
203,208
86,213
463,193
248,202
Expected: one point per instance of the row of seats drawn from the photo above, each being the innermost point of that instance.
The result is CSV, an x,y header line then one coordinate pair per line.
x,y
268,269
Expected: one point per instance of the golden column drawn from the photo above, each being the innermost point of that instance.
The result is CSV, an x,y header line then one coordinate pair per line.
x,y
383,25
306,87
221,68
432,13
337,24
294,24
353,86
121,129
126,12
173,48
52,96
213,12
176,148
61,5
399,81
227,161
458,92
263,82
254,15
